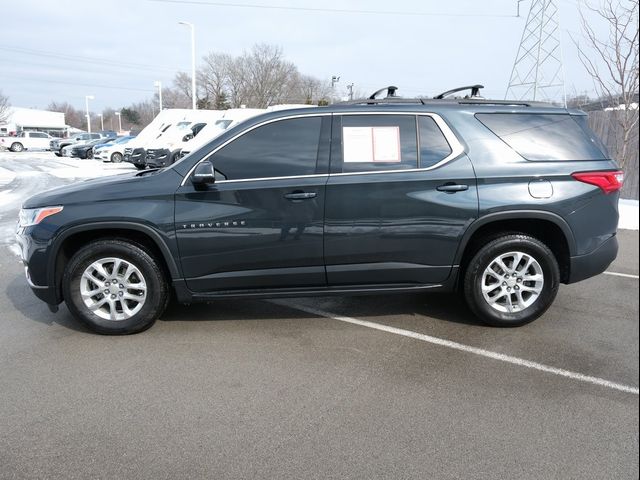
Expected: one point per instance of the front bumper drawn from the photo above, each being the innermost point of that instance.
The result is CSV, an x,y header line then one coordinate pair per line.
x,y
594,263
101,155
137,156
158,157
33,256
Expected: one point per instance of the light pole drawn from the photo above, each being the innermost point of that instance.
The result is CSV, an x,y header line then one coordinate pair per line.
x,y
101,121
158,84
335,79
117,114
193,62
86,104
350,88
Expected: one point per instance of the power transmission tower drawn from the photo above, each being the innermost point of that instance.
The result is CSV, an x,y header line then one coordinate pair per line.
x,y
537,71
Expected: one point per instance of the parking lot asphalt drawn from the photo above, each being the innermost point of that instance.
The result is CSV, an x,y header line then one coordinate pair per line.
x,y
264,389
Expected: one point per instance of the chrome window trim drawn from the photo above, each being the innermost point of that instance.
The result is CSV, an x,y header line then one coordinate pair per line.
x,y
457,148
266,122
262,179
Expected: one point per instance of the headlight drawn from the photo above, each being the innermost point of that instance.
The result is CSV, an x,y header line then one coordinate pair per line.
x,y
33,216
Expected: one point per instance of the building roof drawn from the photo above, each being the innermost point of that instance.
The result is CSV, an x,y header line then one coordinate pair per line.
x,y
32,118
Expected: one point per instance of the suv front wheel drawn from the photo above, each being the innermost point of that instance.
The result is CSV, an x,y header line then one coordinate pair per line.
x,y
511,281
115,287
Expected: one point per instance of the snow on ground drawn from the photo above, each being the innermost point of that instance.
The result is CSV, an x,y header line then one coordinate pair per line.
x,y
26,173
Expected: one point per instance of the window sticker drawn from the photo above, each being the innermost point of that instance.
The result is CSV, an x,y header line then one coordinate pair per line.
x,y
371,144
386,144
358,144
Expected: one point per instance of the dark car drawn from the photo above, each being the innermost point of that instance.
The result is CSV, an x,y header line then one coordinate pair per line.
x,y
502,201
85,150
58,144
161,157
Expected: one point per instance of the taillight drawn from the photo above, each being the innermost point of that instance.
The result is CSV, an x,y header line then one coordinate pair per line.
x,y
608,182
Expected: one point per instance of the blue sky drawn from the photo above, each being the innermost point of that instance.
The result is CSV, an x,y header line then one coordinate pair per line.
x,y
45,46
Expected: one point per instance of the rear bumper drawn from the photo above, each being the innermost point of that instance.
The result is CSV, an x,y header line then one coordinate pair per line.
x,y
594,263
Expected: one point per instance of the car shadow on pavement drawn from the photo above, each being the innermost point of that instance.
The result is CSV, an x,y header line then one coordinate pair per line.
x,y
443,307
25,302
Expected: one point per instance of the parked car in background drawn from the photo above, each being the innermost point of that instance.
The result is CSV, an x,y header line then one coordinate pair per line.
x,y
161,151
500,200
231,118
85,150
26,141
169,127
57,145
107,134
112,152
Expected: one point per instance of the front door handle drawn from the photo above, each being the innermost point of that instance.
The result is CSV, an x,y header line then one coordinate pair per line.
x,y
452,187
300,195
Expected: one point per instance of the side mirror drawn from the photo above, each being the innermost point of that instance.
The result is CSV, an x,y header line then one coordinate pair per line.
x,y
203,175
187,137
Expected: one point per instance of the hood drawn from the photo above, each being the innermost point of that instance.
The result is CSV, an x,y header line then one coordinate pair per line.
x,y
126,185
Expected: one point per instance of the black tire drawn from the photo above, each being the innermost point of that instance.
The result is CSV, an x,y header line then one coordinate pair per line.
x,y
89,154
16,147
116,157
473,280
154,304
140,167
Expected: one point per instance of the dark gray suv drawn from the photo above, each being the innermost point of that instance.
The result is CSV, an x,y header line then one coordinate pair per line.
x,y
502,201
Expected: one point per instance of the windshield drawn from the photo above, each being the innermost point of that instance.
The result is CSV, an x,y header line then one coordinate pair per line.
x,y
223,124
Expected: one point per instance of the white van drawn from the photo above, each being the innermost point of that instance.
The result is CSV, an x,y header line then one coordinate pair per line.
x,y
165,148
135,151
231,118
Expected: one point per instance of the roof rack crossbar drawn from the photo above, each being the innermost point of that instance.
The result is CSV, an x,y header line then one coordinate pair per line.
x,y
475,91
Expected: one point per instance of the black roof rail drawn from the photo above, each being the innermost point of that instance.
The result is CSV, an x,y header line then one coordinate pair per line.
x,y
381,101
484,101
475,91
391,97
473,99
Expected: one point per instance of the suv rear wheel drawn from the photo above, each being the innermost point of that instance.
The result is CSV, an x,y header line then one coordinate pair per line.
x,y
115,287
511,281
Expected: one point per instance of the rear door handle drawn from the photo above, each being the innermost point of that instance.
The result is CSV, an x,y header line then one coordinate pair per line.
x,y
299,195
452,187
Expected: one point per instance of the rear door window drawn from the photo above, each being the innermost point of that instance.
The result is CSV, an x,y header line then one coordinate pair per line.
x,y
433,145
378,143
548,137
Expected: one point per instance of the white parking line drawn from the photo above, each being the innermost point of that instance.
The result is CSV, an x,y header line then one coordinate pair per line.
x,y
465,348
625,275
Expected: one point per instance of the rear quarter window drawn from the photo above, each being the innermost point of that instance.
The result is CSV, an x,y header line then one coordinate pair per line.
x,y
547,137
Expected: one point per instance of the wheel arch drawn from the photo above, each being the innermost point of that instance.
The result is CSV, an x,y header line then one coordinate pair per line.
x,y
74,238
548,227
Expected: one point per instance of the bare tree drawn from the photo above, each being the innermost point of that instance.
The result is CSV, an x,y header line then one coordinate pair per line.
x,y
612,62
182,84
213,77
311,90
4,107
271,78
72,116
238,82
